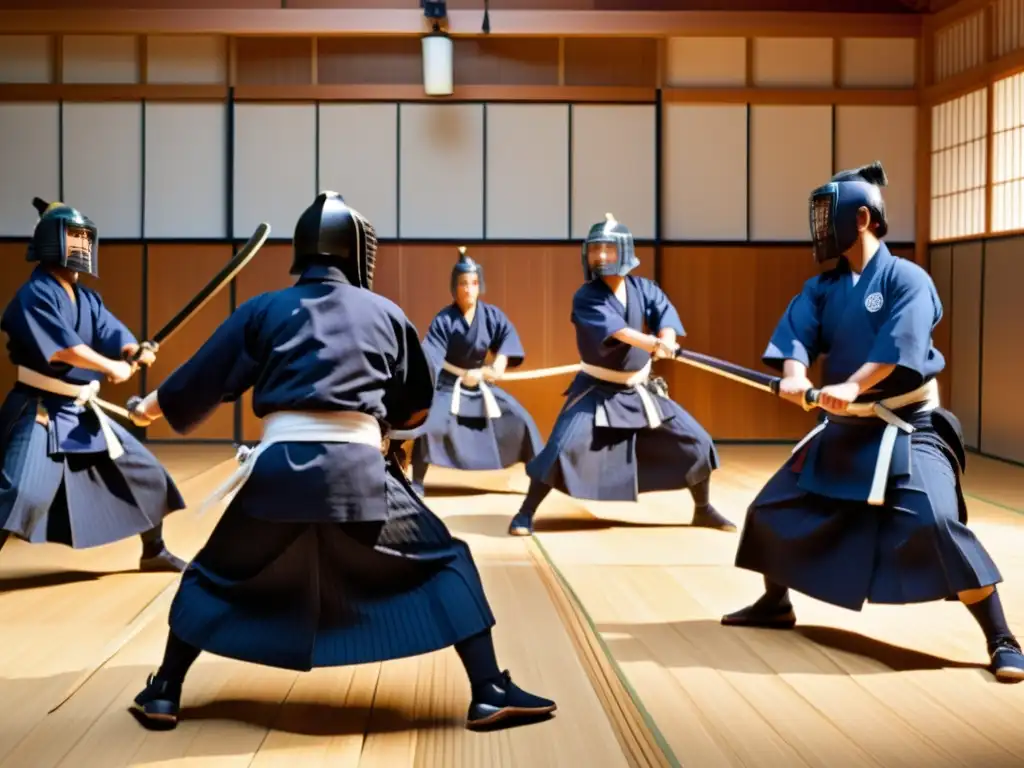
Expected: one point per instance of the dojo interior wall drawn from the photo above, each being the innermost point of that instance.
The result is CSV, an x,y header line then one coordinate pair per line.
x,y
715,190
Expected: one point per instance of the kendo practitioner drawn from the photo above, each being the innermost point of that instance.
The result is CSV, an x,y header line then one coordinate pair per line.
x,y
473,425
618,434
869,506
70,474
324,556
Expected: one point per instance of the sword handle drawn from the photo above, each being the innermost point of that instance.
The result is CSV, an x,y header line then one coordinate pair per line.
x,y
134,357
132,407
811,397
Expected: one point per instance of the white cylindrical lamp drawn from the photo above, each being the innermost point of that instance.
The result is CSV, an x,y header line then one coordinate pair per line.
x,y
438,64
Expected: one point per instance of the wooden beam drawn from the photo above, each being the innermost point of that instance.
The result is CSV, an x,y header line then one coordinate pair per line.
x,y
881,97
525,93
976,78
89,92
327,22
954,13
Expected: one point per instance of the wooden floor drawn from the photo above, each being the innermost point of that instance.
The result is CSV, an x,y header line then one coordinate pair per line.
x,y
888,686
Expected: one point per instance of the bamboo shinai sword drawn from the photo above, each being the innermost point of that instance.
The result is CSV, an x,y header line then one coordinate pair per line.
x,y
763,381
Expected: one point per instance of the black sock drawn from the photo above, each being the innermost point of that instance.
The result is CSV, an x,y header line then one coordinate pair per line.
x,y
479,659
537,493
701,493
153,541
178,657
775,595
990,617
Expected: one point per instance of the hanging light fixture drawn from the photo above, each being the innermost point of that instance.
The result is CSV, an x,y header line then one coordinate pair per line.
x,y
438,52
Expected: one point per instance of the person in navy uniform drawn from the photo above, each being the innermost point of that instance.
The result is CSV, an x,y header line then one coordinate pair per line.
x,y
618,435
473,424
869,507
324,556
71,475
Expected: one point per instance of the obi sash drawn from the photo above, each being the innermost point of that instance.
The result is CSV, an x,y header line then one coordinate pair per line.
x,y
490,402
925,397
635,380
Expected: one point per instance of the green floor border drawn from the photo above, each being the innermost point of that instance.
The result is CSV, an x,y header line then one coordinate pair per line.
x,y
997,504
659,737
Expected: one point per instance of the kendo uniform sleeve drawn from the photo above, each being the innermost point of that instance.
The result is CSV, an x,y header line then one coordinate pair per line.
x,y
506,339
659,312
112,335
593,313
797,336
223,368
36,316
435,343
411,389
904,339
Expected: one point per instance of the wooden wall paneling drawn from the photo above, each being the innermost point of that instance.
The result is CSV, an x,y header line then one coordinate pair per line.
x,y
275,166
186,170
187,59
704,172
965,337
14,270
102,171
369,61
730,299
1002,424
29,163
100,59
888,134
878,62
267,272
442,161
790,154
506,61
621,61
941,269
705,62
120,285
175,274
781,62
613,166
527,156
359,160
26,59
274,60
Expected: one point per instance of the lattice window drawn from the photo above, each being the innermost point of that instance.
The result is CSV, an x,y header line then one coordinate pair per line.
x,y
1007,26
959,47
1008,154
959,166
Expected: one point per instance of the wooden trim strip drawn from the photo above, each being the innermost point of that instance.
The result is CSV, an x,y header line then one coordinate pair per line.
x,y
954,13
976,78
642,743
379,21
802,96
540,93
83,92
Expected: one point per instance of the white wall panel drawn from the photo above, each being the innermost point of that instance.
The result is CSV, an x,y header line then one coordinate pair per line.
x,y
101,59
887,134
275,166
441,187
528,171
790,155
702,62
613,167
359,160
187,59
784,62
103,165
29,163
25,59
704,172
186,170
879,62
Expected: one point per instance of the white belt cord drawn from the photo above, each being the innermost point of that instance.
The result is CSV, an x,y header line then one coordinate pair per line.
x,y
84,395
298,427
490,402
928,398
634,379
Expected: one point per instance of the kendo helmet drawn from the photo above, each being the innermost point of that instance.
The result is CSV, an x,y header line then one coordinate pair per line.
x,y
834,206
610,232
64,237
333,233
466,266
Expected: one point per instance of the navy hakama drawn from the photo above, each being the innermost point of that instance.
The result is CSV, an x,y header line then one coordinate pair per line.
x,y
325,556
869,507
481,427
63,479
615,439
